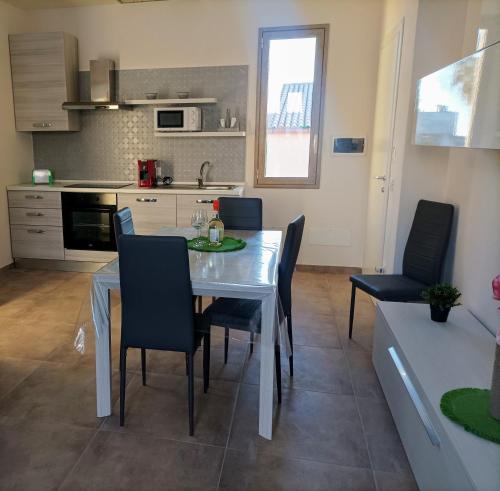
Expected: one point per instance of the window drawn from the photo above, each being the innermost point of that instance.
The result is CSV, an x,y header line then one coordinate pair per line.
x,y
290,86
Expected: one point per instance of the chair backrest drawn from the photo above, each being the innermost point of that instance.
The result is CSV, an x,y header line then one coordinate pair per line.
x,y
241,213
428,241
123,223
156,293
288,261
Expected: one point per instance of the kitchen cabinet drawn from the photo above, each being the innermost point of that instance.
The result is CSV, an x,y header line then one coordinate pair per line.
x,y
44,70
36,224
37,242
187,203
34,199
150,211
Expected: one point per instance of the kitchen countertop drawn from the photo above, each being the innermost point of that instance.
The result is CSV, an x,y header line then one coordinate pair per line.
x,y
133,188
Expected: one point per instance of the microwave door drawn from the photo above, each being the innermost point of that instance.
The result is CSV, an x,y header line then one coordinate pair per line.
x,y
170,120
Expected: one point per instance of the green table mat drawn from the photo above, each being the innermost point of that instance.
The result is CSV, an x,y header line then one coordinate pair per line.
x,y
228,244
470,408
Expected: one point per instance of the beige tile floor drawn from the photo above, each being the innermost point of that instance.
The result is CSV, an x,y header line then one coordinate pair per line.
x,y
333,430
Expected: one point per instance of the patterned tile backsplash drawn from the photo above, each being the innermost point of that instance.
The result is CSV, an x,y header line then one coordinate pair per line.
x,y
110,142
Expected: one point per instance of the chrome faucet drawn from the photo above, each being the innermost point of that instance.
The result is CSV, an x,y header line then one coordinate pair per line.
x,y
202,169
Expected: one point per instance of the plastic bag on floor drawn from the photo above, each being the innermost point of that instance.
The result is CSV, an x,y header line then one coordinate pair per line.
x,y
84,325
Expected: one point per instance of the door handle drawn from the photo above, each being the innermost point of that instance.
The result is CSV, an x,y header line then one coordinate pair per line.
x,y
42,124
34,214
205,201
147,200
379,178
35,231
33,196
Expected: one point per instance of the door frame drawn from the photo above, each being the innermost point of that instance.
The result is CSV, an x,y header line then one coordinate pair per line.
x,y
397,33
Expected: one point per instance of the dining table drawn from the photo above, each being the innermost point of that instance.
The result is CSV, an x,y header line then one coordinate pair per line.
x,y
249,273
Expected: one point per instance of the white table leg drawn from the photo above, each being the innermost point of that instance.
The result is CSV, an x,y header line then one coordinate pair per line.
x,y
267,366
103,354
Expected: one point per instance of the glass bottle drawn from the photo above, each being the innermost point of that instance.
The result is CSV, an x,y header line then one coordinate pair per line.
x,y
215,227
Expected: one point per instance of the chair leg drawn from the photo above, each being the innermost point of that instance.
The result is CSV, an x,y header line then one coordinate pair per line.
x,y
123,374
277,361
206,362
351,314
143,365
191,392
187,365
290,337
251,342
226,344
200,304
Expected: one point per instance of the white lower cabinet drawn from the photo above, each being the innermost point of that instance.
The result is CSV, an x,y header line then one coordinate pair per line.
x,y
433,462
37,242
150,211
36,224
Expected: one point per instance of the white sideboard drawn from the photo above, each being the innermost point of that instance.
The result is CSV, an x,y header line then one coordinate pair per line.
x,y
417,361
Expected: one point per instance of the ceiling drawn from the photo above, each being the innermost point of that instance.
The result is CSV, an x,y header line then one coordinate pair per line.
x,y
50,4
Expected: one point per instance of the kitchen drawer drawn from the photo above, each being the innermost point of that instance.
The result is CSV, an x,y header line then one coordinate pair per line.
x,y
150,211
433,459
187,203
41,216
34,199
37,241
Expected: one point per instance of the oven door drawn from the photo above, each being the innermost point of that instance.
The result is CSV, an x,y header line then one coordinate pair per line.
x,y
88,226
170,120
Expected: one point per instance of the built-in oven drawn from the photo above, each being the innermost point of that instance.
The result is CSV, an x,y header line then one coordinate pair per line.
x,y
88,221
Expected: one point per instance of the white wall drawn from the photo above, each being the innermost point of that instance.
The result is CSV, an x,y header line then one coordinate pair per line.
x,y
183,33
16,159
473,186
469,179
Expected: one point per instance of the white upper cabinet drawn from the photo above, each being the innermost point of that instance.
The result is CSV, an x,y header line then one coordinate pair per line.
x,y
44,75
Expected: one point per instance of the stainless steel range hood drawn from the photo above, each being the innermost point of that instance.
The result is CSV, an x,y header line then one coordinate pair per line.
x,y
102,89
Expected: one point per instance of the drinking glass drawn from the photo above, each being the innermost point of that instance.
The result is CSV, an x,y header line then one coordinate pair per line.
x,y
198,220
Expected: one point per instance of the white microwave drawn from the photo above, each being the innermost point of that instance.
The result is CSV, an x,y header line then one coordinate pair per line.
x,y
177,119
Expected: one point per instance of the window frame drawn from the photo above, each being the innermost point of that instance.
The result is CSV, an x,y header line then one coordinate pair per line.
x,y
266,34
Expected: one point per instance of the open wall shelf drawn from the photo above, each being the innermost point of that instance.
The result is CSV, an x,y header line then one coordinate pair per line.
x,y
202,134
171,102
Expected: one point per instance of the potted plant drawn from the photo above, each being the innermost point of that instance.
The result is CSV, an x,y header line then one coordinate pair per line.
x,y
441,298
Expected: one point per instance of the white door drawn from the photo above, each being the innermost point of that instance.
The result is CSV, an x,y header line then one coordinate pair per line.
x,y
383,151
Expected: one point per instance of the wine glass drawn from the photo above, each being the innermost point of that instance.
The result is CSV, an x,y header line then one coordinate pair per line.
x,y
198,220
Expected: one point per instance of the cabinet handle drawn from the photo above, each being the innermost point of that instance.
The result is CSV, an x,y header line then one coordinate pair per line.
x,y
205,201
415,398
147,200
35,231
34,214
42,124
33,196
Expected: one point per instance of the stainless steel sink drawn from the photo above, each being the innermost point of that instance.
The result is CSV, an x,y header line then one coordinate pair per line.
x,y
206,187
216,187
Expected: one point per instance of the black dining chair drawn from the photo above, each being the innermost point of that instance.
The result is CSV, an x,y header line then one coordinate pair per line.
x,y
422,260
158,308
239,214
123,223
245,315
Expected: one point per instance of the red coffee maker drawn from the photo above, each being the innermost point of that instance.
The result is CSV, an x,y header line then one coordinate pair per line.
x,y
147,173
